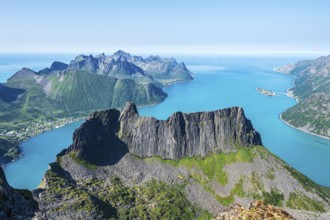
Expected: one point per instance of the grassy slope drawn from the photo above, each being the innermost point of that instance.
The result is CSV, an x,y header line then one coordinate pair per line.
x,y
212,168
206,170
111,199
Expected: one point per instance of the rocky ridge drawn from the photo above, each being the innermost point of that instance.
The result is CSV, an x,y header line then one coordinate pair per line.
x,y
181,135
15,204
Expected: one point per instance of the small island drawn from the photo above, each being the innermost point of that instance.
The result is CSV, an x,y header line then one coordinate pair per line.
x,y
266,92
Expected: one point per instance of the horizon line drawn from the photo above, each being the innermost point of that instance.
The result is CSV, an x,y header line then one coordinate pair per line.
x,y
180,52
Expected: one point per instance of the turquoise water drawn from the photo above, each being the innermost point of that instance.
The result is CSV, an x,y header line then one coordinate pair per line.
x,y
38,152
219,82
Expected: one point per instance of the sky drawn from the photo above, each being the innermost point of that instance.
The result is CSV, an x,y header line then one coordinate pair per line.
x,y
181,26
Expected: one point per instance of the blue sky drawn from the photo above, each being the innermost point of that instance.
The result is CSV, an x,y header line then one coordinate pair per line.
x,y
208,26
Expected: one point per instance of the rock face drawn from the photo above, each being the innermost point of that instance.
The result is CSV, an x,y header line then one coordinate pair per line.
x,y
257,210
8,151
181,135
15,204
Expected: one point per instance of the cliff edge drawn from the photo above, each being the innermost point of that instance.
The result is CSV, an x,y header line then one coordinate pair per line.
x,y
107,134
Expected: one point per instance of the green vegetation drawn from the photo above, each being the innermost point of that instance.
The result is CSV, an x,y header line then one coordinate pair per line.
x,y
204,170
74,94
299,201
309,185
212,165
274,197
312,88
237,190
82,162
110,198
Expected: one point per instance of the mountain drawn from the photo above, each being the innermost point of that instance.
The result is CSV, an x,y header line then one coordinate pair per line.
x,y
125,166
312,90
8,151
9,94
14,203
32,101
123,65
175,138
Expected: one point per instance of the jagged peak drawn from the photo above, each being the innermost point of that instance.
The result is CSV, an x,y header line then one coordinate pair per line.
x,y
153,58
173,138
122,53
82,57
129,110
57,66
101,55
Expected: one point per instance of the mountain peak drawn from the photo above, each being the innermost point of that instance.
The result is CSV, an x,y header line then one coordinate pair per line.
x,y
57,66
129,110
122,53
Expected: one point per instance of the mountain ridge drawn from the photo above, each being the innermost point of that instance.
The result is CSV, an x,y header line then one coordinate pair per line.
x,y
174,138
311,89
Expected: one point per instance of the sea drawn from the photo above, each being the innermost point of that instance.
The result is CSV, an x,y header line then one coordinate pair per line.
x,y
219,82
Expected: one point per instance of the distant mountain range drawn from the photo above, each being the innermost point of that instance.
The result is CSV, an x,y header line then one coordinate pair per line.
x,y
312,90
87,84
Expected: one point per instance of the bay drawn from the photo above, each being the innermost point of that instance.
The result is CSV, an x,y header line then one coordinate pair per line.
x,y
219,82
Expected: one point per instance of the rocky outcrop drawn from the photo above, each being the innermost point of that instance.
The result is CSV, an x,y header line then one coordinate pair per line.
x,y
15,204
8,151
181,135
257,210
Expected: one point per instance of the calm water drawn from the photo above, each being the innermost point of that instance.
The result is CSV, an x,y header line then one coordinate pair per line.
x,y
220,82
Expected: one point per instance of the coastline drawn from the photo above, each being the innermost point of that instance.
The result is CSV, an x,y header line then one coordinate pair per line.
x,y
303,129
39,132
291,95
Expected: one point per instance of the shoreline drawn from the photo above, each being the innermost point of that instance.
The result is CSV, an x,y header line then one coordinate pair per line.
x,y
291,95
42,131
302,129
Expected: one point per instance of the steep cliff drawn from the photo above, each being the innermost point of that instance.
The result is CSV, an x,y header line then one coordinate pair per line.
x,y
181,135
15,204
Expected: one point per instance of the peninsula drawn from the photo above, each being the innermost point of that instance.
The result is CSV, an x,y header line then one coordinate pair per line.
x,y
312,82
